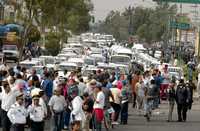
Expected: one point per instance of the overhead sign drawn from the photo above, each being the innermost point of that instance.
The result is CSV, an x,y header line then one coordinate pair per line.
x,y
181,1
182,26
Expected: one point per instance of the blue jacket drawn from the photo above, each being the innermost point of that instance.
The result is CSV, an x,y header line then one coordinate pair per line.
x,y
47,86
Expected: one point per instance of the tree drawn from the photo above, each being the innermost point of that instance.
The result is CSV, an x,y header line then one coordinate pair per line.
x,y
53,43
150,25
59,16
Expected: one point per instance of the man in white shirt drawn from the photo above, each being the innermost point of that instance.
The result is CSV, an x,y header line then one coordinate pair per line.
x,y
98,107
17,114
37,114
8,98
57,105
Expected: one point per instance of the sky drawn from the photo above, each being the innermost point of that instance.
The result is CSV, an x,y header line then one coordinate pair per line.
x,y
103,7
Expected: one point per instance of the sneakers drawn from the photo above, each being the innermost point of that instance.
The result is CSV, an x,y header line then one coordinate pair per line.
x,y
115,123
66,127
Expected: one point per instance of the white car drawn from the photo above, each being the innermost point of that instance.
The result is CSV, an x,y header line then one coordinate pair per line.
x,y
67,66
78,61
30,63
11,52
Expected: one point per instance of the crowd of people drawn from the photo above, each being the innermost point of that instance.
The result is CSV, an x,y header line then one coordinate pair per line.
x,y
77,104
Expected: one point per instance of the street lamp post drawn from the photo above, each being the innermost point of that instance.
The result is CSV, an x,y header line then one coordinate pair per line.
x,y
1,11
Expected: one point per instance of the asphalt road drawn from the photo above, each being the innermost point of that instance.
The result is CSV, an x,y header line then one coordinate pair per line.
x,y
158,121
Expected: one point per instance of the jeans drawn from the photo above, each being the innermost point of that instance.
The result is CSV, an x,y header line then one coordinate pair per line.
x,y
66,118
156,102
58,121
124,113
148,106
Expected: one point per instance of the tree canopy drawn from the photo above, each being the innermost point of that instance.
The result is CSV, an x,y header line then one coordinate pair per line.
x,y
150,25
58,16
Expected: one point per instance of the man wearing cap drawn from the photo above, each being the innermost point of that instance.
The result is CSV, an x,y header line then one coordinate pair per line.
x,y
8,98
17,114
57,105
37,114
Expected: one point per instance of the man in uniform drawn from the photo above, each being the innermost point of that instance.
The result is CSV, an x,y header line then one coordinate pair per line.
x,y
17,114
37,114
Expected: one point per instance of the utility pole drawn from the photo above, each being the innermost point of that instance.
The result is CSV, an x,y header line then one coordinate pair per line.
x,y
130,30
2,4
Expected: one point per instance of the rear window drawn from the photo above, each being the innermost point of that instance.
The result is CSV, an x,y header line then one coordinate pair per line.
x,y
9,47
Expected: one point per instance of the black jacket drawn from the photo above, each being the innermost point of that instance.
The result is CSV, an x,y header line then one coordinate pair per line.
x,y
182,94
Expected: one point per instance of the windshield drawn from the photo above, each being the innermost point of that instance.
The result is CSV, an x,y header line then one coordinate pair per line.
x,y
10,47
89,62
39,70
127,54
87,72
49,61
120,59
91,44
109,37
69,68
123,70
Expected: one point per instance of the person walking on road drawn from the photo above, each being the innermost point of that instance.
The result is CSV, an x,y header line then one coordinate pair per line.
x,y
171,99
140,91
99,103
57,105
150,95
191,87
18,114
8,98
37,114
182,99
77,114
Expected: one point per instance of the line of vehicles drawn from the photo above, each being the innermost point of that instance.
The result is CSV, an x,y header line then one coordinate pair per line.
x,y
88,53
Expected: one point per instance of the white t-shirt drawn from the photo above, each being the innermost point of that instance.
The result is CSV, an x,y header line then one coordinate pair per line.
x,y
100,101
8,99
58,103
